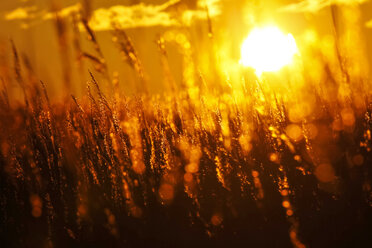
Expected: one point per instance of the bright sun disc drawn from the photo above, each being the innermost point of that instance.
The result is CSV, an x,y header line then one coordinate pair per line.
x,y
267,50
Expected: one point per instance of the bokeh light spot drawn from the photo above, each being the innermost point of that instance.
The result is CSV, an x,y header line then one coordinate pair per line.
x,y
325,173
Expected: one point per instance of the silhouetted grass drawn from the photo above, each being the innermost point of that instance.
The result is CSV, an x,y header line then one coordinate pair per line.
x,y
183,169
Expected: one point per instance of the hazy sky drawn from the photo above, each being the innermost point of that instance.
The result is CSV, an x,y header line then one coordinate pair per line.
x,y
29,23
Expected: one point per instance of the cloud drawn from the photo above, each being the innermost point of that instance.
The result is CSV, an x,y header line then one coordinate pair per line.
x,y
316,5
213,7
32,12
21,13
170,13
65,12
142,15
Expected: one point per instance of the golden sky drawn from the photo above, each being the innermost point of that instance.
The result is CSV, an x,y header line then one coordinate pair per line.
x,y
30,24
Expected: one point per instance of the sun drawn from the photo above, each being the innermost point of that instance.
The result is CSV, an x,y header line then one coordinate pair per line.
x,y
267,49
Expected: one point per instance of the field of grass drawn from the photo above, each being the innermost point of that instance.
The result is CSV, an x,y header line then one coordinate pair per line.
x,y
254,167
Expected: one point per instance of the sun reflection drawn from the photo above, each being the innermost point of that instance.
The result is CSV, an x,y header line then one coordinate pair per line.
x,y
267,49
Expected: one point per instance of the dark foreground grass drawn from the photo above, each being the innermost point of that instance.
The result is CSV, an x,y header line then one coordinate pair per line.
x,y
141,172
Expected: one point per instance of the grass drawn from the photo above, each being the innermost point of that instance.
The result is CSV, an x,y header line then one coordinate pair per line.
x,y
191,168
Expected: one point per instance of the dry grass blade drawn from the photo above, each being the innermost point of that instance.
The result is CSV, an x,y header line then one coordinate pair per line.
x,y
17,65
130,55
17,71
77,104
4,93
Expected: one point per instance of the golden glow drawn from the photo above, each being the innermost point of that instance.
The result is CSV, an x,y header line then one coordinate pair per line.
x,y
267,49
